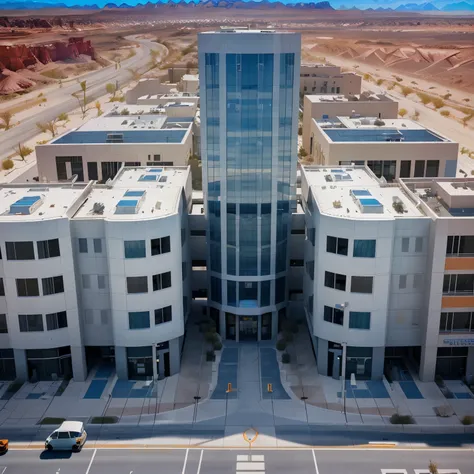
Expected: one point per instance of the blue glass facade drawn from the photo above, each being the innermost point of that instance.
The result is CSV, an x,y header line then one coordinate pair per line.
x,y
249,153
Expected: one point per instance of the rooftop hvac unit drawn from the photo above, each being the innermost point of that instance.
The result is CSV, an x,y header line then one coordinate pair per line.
x,y
98,208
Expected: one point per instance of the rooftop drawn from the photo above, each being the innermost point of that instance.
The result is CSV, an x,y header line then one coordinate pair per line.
x,y
355,192
136,193
372,129
444,197
37,202
340,98
145,128
190,77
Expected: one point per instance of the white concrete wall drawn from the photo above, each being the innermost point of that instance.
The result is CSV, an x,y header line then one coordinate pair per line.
x,y
147,87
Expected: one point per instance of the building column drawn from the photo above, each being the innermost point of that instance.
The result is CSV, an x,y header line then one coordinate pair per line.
x,y
470,366
222,325
21,365
153,358
79,365
378,359
175,356
274,324
121,366
322,356
428,363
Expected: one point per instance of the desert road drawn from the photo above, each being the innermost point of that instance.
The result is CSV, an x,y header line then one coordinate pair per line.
x,y
60,99
225,461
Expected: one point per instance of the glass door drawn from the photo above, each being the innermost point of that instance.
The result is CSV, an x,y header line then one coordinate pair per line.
x,y
248,327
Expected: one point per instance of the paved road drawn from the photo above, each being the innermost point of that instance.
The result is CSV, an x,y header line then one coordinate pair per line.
x,y
208,461
61,100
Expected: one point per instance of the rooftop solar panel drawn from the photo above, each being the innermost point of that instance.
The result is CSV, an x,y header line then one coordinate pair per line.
x,y
134,193
148,177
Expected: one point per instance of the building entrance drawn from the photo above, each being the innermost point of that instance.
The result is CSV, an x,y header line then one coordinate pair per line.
x,y
248,328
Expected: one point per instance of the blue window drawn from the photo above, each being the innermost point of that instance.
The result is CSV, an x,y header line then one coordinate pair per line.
x,y
364,248
231,293
265,293
139,320
216,289
359,320
280,290
134,248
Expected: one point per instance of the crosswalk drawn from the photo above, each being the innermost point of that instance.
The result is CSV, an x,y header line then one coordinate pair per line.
x,y
250,464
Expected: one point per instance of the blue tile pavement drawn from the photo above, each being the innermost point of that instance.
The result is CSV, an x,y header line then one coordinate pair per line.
x,y
104,372
34,396
410,390
227,374
270,373
377,389
122,388
95,389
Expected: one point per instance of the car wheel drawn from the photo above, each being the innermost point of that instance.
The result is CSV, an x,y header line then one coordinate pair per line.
x,y
75,448
49,448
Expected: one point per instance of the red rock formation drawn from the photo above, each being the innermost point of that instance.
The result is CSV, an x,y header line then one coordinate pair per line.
x,y
22,56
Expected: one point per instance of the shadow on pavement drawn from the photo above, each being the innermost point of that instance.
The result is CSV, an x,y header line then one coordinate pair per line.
x,y
50,455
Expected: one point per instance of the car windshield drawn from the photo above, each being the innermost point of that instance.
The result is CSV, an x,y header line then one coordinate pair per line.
x,y
75,434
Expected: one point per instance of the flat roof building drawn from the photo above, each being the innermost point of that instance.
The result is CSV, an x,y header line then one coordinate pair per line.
x,y
328,79
391,148
323,107
93,272
97,149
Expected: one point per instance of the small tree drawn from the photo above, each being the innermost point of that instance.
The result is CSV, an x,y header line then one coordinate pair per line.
x,y
134,73
124,111
433,467
402,112
63,117
302,153
437,102
196,172
380,82
7,164
111,89
81,97
23,151
45,127
99,109
445,113
406,91
6,118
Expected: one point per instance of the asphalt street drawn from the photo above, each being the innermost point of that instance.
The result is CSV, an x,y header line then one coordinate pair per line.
x,y
223,461
60,99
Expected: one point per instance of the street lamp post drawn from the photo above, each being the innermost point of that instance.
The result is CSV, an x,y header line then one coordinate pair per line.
x,y
343,306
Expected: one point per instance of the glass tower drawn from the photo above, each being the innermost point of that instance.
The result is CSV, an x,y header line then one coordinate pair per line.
x,y
249,87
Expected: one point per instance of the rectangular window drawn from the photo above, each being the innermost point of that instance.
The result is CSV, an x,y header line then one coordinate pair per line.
x,y
27,287
296,263
30,322
335,280
418,281
405,244
460,245
364,248
134,248
53,285
231,293
101,282
432,168
161,281
297,231
97,245
216,289
458,284
198,233
48,248
405,168
139,320
2,288
82,245
56,321
184,270
137,284
361,284
457,322
3,324
280,290
419,168
402,282
333,315
86,281
20,250
337,245
104,317
419,244
159,246
163,315
359,320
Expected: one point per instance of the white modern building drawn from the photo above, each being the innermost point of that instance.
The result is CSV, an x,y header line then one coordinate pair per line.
x,y
149,86
91,272
330,106
392,148
97,149
249,120
189,83
378,279
328,79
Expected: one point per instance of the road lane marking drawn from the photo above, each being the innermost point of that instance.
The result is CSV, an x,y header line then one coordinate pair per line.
x,y
91,461
4,469
315,463
185,461
200,461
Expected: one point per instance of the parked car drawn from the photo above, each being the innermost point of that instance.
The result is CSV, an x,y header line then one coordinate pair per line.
x,y
71,435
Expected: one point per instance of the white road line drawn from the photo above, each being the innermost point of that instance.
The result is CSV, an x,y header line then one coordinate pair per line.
x,y
315,463
91,461
200,461
185,461
4,469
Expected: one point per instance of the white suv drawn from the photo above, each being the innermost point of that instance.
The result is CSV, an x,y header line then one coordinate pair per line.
x,y
71,435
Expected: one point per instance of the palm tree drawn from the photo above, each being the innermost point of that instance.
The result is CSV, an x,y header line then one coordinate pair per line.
x,y
6,118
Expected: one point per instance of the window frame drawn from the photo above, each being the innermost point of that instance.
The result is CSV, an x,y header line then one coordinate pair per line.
x,y
336,280
56,321
27,281
160,245
82,245
52,285
128,252
354,279
3,324
361,243
131,281
48,248
12,251
26,322
130,313
163,315
158,281
333,315
353,314
337,245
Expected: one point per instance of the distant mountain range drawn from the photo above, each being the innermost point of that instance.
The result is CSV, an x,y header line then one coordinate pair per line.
x,y
462,6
